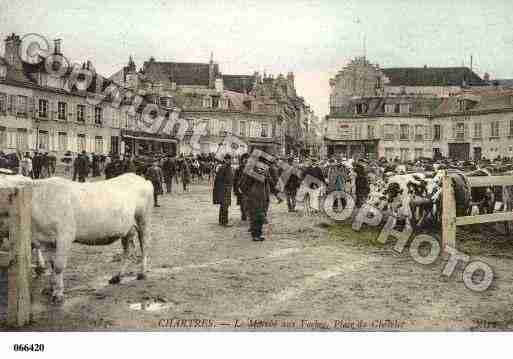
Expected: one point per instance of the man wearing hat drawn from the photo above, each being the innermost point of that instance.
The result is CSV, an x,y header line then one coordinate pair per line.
x,y
291,187
154,175
222,192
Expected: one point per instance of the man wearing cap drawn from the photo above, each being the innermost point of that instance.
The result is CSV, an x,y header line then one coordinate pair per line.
x,y
154,175
222,192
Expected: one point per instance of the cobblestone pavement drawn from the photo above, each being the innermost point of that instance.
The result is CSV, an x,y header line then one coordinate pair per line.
x,y
303,271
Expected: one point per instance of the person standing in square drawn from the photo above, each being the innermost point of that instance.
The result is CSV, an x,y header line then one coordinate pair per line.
x,y
222,193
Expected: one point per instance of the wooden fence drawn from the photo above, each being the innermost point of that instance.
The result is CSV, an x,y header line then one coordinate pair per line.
x,y
17,259
449,219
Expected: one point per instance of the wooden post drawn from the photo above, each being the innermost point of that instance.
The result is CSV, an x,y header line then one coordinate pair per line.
x,y
448,215
20,235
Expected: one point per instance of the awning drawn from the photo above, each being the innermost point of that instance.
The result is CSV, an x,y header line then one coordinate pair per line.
x,y
156,139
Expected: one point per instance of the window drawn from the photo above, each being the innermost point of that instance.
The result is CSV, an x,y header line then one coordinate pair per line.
x,y
3,71
370,132
265,130
164,101
81,142
397,108
61,108
98,115
478,130
460,131
80,113
98,144
215,101
418,153
63,141
22,139
242,128
190,124
389,132
43,108
405,132
494,129
222,127
404,108
207,102
357,132
510,126
361,108
3,100
419,133
3,137
405,154
389,108
206,123
389,153
43,140
22,105
437,135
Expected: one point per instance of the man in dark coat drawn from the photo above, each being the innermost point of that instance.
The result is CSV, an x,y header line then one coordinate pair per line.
x,y
36,165
258,194
362,186
222,193
241,199
154,175
96,165
291,187
82,166
169,170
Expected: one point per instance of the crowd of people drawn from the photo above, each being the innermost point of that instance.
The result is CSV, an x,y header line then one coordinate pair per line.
x,y
356,176
253,190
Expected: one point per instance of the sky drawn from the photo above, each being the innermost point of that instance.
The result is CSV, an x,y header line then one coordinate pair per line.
x,y
314,39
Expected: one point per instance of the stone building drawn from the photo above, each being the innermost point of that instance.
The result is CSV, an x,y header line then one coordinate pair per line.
x,y
225,104
471,125
416,112
42,111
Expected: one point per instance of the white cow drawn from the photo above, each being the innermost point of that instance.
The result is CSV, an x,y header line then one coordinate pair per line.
x,y
96,213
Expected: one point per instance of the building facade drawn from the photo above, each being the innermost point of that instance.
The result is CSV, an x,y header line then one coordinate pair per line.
x,y
202,96
412,113
43,112
468,126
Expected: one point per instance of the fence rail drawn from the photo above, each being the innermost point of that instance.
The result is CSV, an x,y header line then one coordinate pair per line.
x,y
449,219
17,260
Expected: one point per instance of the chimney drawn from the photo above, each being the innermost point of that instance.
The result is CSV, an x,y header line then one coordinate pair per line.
x,y
57,47
12,51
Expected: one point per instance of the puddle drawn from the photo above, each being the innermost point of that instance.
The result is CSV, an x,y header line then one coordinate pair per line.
x,y
149,306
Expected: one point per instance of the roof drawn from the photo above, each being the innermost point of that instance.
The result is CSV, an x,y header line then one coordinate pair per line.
x,y
182,73
239,83
432,76
503,82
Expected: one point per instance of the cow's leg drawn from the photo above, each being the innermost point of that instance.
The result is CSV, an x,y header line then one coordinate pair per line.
x,y
59,265
40,261
126,243
143,229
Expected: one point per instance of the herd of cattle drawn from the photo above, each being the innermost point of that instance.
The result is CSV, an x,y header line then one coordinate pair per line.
x,y
100,213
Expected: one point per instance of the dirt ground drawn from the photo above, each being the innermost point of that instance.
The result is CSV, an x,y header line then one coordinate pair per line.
x,y
309,269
